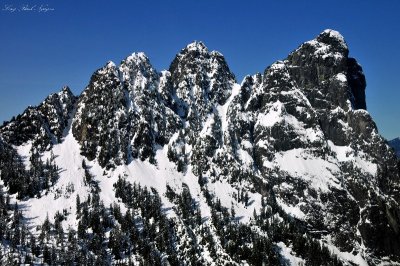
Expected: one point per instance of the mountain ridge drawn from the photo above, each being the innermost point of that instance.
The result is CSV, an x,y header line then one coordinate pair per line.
x,y
290,156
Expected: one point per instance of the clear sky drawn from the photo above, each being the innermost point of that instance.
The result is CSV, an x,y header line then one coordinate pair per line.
x,y
42,51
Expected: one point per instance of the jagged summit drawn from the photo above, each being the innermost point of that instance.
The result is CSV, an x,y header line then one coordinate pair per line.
x,y
137,56
136,69
322,64
332,37
63,96
110,64
198,46
328,45
138,61
43,124
197,51
200,79
66,89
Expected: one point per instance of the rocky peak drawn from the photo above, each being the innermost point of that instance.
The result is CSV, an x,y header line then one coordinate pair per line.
x,y
137,61
104,79
315,61
57,109
332,38
138,74
120,115
43,124
109,65
199,80
137,57
108,68
330,80
196,46
64,98
100,107
66,91
323,63
63,95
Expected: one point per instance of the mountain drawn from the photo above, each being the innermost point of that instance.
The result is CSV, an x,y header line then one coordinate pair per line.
x,y
395,144
43,125
187,167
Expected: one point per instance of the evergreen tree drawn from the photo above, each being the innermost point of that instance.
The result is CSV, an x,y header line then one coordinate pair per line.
x,y
78,205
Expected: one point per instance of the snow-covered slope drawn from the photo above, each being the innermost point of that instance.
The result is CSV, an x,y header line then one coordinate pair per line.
x,y
189,167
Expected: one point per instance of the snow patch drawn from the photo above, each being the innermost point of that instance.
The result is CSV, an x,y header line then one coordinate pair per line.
x,y
24,151
347,256
291,210
226,193
223,109
341,77
321,174
287,255
273,116
68,158
359,159
336,35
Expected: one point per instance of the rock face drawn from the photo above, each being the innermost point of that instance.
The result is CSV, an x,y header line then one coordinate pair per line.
x,y
395,144
200,79
296,138
307,113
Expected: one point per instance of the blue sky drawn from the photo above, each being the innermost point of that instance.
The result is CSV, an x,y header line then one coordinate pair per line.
x,y
42,51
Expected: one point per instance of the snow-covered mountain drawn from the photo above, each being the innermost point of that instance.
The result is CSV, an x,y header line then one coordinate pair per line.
x,y
395,144
187,167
